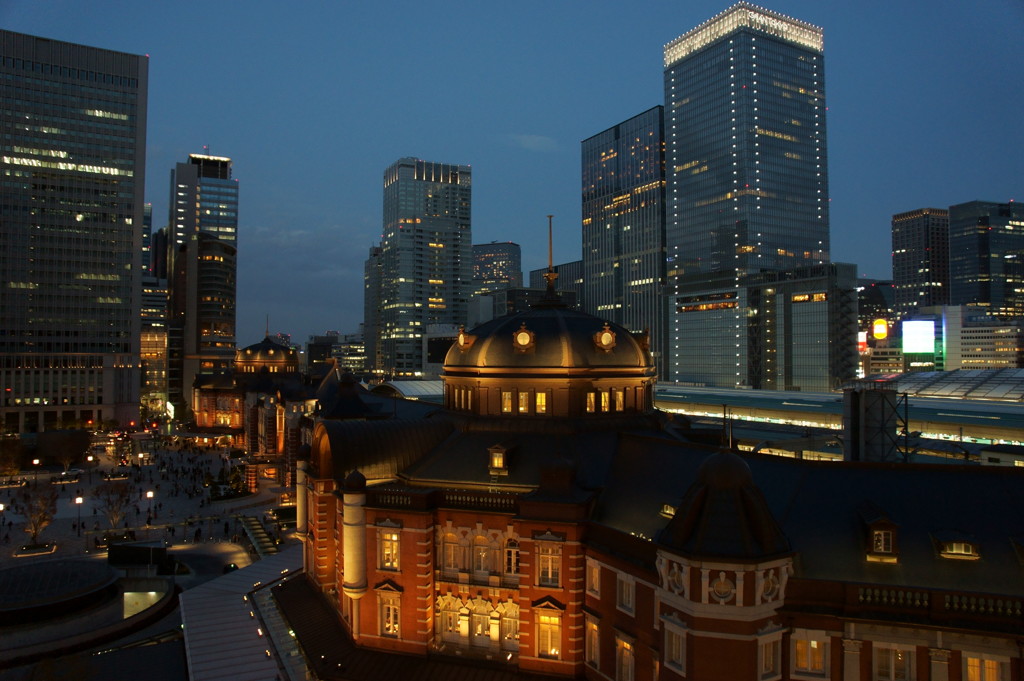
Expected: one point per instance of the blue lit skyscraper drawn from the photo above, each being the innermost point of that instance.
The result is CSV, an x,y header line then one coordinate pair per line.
x,y
201,262
424,263
624,226
747,178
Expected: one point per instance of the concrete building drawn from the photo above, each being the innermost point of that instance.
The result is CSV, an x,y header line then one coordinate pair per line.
x,y
746,170
424,267
623,190
920,259
986,261
73,161
497,265
202,252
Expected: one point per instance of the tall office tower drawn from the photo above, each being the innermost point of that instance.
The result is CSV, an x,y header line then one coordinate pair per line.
x,y
153,350
147,238
73,123
426,258
497,265
920,259
201,263
986,257
747,175
371,309
624,226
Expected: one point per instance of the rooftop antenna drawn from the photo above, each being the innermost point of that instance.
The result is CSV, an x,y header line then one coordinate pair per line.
x,y
268,325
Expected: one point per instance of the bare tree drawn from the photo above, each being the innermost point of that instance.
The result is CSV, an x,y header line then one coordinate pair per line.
x,y
66,446
42,506
10,456
112,500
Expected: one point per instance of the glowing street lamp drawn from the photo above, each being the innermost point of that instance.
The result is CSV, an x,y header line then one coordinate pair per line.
x,y
78,503
149,495
35,462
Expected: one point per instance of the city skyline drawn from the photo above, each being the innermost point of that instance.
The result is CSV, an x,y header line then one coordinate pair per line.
x,y
313,122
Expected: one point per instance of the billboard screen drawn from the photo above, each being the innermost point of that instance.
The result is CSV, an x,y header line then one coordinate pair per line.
x,y
919,336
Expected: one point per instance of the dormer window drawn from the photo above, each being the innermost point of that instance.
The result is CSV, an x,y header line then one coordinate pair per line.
x,y
882,535
956,546
881,541
498,459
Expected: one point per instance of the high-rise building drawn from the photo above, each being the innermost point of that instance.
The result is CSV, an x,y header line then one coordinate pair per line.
x,y
201,261
747,176
371,309
624,226
920,259
497,265
425,260
73,158
986,257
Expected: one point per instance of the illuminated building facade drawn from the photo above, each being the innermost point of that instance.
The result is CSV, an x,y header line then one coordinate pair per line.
x,y
746,163
986,257
425,261
624,226
549,520
497,265
920,259
153,351
73,158
202,250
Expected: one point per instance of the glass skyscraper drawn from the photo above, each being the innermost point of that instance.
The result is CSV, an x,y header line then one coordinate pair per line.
x,y
920,259
73,120
497,265
202,253
747,177
986,257
623,177
425,260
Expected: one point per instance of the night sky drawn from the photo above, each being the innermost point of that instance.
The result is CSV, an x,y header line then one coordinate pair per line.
x,y
314,100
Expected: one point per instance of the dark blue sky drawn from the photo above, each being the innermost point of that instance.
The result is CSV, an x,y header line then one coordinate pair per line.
x,y
314,100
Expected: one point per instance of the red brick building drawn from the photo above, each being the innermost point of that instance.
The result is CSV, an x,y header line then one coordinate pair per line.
x,y
548,519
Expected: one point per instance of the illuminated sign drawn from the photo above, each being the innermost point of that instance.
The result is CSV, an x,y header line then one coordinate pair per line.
x,y
918,336
862,341
880,329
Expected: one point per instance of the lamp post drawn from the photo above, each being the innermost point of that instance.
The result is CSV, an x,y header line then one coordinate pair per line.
x,y
35,462
78,503
89,459
149,495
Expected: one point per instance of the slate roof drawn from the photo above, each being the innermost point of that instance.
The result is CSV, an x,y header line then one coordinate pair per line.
x,y
818,505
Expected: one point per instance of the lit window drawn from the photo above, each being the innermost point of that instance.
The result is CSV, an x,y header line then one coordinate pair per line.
x,y
512,557
981,668
509,628
893,664
620,400
481,555
524,402
809,654
623,660
542,403
549,634
389,546
451,552
389,616
881,541
592,642
591,402
549,559
506,401
959,549
604,400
